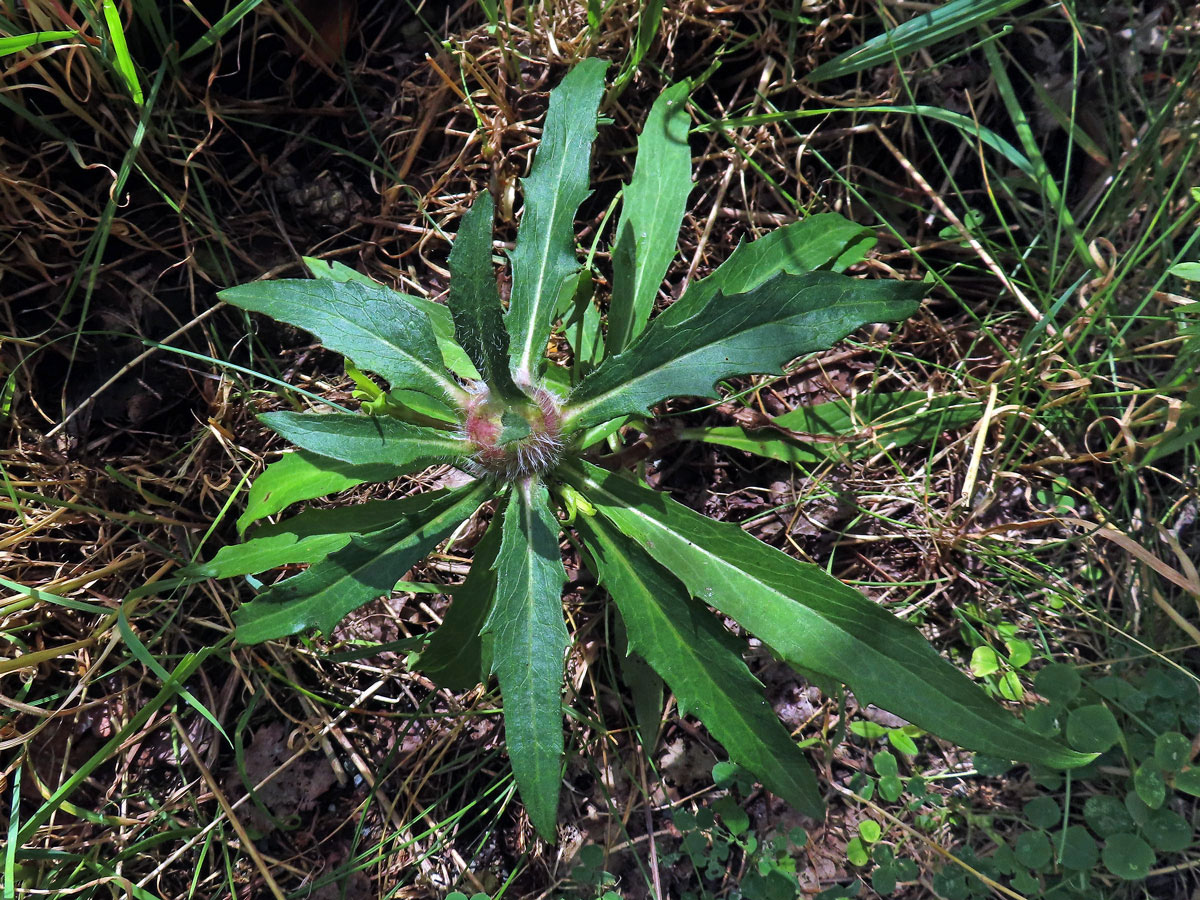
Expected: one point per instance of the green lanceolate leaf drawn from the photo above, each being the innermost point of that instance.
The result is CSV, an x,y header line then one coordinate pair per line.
x,y
366,568
366,440
457,657
302,476
529,639
374,326
474,301
310,536
701,662
826,240
813,620
544,255
754,332
651,212
453,356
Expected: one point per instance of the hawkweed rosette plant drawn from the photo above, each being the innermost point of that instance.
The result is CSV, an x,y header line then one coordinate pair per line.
x,y
469,384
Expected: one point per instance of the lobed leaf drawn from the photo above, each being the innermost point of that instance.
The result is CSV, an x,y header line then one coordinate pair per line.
x,y
652,210
301,475
453,356
474,300
367,567
309,537
544,255
737,334
374,326
824,241
366,440
702,664
529,639
456,656
813,620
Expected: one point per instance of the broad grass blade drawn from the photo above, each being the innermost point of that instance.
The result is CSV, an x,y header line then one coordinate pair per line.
x,y
121,58
813,620
919,32
18,42
529,639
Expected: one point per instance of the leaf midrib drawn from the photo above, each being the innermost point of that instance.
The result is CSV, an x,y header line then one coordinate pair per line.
x,y
576,412
525,359
727,566
453,391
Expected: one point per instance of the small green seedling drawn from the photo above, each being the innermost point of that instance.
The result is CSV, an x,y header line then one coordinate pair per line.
x,y
471,386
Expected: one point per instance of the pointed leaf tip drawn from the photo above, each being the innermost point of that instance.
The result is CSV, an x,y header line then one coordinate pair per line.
x,y
544,254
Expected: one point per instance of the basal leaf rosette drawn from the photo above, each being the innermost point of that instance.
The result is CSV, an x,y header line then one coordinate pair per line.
x,y
467,383
511,442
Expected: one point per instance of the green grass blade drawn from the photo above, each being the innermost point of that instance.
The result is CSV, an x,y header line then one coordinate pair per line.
x,y
169,690
813,620
122,60
863,426
544,255
219,29
921,31
701,663
651,212
368,567
143,655
964,124
373,326
735,334
649,20
366,440
18,42
10,849
474,301
529,639
1041,172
